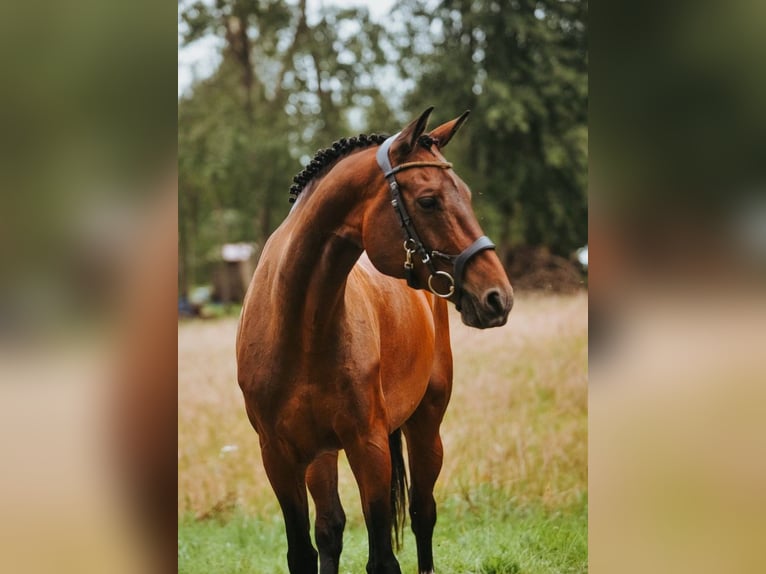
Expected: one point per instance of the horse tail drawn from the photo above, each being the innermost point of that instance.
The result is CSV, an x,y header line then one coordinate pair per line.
x,y
398,486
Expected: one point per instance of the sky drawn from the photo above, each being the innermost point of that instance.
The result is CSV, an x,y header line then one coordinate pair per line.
x,y
201,58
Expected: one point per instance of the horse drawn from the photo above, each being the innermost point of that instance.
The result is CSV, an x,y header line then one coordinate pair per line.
x,y
343,341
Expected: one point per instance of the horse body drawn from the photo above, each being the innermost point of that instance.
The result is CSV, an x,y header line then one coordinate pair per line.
x,y
328,334
373,355
333,353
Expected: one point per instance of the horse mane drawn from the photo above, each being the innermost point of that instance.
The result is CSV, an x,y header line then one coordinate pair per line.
x,y
327,157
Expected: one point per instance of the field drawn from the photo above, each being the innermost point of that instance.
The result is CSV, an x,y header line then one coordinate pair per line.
x,y
512,496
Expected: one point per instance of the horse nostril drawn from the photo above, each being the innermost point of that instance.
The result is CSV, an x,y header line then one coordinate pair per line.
x,y
493,299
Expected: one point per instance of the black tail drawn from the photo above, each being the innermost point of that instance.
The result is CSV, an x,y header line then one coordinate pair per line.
x,y
398,486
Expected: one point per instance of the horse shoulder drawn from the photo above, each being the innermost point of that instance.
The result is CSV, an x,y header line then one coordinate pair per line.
x,y
407,340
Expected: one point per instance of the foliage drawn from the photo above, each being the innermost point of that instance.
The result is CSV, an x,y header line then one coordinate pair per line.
x,y
521,67
289,82
282,85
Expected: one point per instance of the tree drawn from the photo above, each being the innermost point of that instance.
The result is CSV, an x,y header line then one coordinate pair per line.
x,y
521,66
284,87
290,82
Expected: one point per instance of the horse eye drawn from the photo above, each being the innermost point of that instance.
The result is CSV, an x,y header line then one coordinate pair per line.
x,y
427,203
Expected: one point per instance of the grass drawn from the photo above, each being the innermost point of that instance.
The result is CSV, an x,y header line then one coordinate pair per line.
x,y
498,539
512,495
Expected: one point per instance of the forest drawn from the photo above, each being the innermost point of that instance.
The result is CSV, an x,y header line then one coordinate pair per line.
x,y
295,76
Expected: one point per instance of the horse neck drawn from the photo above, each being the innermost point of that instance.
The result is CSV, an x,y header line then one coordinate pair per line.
x,y
324,243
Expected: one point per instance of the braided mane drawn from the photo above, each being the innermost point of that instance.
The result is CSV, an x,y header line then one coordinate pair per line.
x,y
326,157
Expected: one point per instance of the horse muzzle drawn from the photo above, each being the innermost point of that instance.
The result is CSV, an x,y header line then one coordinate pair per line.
x,y
490,309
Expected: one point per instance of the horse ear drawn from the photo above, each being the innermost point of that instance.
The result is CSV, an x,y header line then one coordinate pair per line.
x,y
408,137
443,134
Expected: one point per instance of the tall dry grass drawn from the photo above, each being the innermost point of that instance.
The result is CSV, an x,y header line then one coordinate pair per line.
x,y
516,426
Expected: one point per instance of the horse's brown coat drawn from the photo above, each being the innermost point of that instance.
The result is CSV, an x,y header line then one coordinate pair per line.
x,y
335,351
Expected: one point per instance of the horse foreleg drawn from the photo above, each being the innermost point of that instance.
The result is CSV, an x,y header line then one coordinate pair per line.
x,y
322,479
370,462
289,483
424,448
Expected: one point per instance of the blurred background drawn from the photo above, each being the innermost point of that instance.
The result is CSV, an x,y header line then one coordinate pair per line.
x,y
677,307
263,85
88,286
90,272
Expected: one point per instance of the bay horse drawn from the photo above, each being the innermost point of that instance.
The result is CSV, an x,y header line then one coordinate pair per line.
x,y
343,341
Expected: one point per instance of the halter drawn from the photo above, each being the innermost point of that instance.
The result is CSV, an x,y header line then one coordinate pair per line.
x,y
412,242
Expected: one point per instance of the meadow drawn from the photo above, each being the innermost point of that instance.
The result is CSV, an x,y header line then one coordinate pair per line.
x,y
512,495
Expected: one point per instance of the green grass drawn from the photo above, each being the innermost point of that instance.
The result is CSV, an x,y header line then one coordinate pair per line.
x,y
486,536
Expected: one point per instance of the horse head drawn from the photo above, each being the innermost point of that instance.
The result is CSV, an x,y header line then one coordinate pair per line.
x,y
420,226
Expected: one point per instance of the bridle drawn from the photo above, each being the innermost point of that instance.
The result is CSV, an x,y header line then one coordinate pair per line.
x,y
412,242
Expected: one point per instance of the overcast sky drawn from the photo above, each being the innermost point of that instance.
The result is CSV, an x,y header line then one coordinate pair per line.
x,y
202,57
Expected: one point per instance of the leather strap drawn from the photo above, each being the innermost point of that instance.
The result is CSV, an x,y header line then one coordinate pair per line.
x,y
382,155
480,244
405,221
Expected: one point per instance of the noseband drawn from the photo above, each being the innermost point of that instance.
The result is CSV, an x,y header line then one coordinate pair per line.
x,y
412,242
